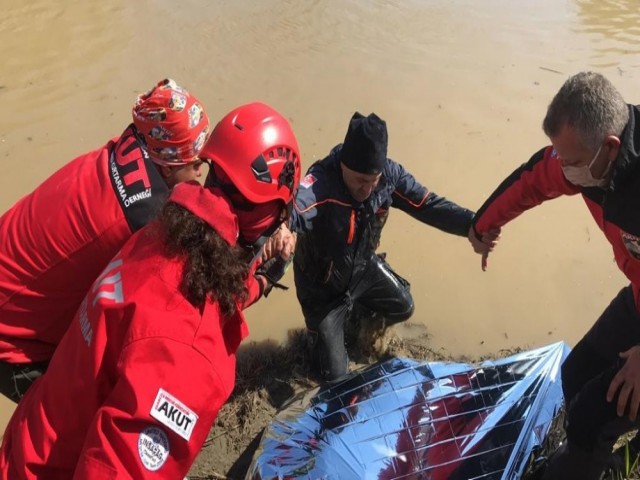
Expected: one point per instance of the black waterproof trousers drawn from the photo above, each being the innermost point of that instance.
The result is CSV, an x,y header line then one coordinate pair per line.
x,y
593,425
379,290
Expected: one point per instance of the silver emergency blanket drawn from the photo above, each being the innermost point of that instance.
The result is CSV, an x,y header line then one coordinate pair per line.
x,y
402,418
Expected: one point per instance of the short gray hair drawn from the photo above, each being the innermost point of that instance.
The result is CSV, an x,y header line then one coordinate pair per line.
x,y
590,104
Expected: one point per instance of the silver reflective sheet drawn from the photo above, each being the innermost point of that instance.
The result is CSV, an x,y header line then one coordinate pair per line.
x,y
401,418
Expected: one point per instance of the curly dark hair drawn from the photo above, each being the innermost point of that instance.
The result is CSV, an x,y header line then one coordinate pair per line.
x,y
212,268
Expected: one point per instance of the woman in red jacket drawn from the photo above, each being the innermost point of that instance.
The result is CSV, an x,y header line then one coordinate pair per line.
x,y
137,381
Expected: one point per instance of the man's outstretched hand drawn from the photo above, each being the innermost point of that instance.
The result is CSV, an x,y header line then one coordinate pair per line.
x,y
484,244
281,243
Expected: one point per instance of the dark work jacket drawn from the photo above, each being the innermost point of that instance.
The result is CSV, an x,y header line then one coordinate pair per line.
x,y
338,235
615,209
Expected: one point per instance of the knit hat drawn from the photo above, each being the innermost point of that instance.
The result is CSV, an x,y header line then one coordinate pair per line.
x,y
365,146
172,124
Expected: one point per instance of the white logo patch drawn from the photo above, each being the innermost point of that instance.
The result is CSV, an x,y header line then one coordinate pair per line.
x,y
307,181
174,414
632,243
153,448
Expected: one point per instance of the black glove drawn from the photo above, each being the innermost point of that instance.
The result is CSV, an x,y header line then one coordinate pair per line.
x,y
273,270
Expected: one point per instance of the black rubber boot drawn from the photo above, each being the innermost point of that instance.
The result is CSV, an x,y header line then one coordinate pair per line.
x,y
569,462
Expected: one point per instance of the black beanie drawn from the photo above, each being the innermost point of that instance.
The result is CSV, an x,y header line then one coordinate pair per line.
x,y
365,146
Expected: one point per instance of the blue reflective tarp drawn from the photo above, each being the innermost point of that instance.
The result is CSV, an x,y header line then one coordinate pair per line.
x,y
402,418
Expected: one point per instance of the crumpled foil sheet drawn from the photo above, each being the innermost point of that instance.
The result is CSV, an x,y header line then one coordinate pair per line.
x,y
407,419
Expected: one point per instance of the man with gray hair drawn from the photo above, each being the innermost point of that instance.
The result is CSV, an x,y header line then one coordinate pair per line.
x,y
595,152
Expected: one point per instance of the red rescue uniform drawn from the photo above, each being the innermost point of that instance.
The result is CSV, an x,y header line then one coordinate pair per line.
x,y
136,383
55,241
614,209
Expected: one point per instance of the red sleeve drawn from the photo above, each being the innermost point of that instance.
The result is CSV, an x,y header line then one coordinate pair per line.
x,y
255,285
157,416
539,179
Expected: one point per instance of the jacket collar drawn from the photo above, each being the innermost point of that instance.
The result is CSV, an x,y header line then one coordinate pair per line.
x,y
629,155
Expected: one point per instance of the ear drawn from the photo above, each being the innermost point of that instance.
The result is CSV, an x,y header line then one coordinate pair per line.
x,y
613,143
165,171
342,169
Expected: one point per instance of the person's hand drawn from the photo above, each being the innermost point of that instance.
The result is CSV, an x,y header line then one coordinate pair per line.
x,y
485,244
627,383
281,243
272,272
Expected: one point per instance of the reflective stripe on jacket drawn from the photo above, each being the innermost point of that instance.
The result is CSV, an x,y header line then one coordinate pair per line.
x,y
337,235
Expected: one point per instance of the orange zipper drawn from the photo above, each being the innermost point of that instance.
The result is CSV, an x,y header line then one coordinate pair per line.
x,y
352,227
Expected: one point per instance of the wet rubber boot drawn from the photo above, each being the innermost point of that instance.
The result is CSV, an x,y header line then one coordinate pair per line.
x,y
328,364
569,462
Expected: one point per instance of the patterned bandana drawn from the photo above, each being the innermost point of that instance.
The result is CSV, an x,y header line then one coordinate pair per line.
x,y
171,123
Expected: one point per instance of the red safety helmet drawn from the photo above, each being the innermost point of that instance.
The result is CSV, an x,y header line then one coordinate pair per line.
x,y
256,149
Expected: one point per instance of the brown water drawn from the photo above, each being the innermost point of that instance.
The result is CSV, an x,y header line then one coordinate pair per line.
x,y
463,86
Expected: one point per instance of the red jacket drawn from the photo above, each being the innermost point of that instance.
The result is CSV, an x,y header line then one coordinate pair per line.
x,y
616,210
55,241
136,383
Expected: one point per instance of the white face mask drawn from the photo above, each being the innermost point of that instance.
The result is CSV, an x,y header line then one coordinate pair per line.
x,y
582,175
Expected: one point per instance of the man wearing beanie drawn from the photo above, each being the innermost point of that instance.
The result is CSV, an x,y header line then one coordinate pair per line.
x,y
340,209
55,241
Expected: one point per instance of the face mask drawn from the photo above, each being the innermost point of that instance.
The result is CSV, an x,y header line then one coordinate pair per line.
x,y
582,175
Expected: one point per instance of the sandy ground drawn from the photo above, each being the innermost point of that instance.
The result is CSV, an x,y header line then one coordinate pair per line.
x,y
268,375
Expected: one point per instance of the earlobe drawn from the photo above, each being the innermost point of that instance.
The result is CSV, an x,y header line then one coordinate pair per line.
x,y
614,147
165,171
612,143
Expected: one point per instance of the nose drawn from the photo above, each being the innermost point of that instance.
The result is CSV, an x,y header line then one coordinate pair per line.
x,y
366,191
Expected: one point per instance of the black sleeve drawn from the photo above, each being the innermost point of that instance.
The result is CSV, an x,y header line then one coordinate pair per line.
x,y
413,198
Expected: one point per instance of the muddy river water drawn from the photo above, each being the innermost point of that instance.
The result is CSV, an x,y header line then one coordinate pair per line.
x,y
463,86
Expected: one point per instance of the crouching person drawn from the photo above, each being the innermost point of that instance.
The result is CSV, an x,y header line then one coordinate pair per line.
x,y
340,211
138,379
